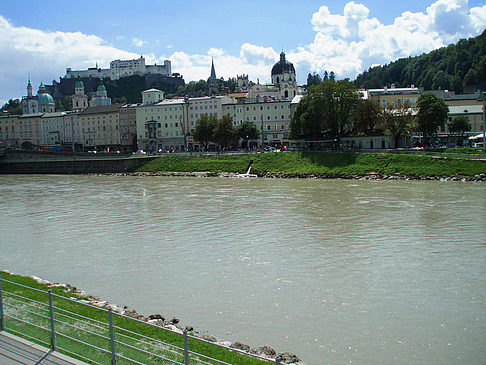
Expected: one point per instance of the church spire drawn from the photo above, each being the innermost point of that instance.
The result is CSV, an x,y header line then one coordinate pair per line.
x,y
213,72
29,88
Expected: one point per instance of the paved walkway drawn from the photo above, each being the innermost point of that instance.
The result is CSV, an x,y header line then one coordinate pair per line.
x,y
15,350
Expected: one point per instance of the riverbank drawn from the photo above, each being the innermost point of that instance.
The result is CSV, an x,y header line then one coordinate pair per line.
x,y
225,350
326,165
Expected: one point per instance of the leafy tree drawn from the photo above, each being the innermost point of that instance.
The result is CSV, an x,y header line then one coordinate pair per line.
x,y
397,120
13,106
431,115
367,117
326,111
313,79
224,133
204,130
247,131
459,125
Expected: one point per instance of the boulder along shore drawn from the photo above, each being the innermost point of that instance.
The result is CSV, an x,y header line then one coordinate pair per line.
x,y
173,324
280,175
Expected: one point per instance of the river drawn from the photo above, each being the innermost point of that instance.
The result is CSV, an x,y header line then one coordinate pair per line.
x,y
335,271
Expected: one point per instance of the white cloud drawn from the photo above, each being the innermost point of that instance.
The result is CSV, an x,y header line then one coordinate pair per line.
x,y
138,42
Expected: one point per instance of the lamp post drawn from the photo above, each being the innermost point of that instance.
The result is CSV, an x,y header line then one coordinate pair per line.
x,y
484,121
263,134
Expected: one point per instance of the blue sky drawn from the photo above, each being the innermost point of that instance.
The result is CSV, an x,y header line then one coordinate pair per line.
x,y
43,38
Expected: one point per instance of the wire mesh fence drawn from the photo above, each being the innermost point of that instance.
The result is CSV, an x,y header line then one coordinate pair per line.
x,y
99,336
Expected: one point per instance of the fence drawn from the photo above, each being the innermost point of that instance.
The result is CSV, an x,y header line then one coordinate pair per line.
x,y
100,336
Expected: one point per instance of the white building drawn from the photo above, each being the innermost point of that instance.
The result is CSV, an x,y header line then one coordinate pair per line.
x,y
283,86
123,68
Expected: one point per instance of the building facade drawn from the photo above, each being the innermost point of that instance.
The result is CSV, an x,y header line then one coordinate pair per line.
x,y
100,127
123,68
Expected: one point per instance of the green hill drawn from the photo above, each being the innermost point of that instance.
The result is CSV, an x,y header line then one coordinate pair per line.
x,y
456,67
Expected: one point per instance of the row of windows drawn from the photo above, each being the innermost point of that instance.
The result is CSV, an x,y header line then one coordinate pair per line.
x,y
261,107
151,117
167,134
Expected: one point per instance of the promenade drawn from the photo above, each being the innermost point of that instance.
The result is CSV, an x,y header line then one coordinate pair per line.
x,y
15,350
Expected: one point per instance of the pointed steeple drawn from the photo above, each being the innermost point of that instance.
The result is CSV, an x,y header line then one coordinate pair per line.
x,y
213,72
29,88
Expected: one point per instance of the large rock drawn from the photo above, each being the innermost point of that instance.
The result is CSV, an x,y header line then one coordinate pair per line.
x,y
240,346
288,358
156,316
265,351
209,338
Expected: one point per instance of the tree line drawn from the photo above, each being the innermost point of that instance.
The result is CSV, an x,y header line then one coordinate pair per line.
x,y
222,132
334,109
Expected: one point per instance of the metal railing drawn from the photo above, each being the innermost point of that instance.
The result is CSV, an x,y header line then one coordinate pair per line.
x,y
65,325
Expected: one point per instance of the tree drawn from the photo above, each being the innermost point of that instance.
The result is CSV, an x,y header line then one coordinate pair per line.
x,y
247,131
367,117
224,133
326,111
397,120
14,106
459,125
313,79
204,130
431,115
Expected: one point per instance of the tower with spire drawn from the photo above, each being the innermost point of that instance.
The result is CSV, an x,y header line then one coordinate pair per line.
x,y
212,81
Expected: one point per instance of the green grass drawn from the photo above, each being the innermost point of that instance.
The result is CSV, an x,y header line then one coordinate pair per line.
x,y
332,163
73,325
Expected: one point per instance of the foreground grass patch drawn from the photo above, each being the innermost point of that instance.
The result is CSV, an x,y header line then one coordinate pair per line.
x,y
336,163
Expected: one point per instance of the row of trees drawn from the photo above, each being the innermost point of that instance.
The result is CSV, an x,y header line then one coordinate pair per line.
x,y
335,109
210,129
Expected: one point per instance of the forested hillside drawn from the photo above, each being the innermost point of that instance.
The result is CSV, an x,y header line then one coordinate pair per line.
x,y
455,67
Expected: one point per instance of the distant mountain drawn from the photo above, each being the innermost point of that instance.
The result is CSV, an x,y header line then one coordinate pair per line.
x,y
458,67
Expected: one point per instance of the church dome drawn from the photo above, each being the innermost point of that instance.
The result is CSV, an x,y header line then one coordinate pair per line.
x,y
79,84
282,66
101,88
43,97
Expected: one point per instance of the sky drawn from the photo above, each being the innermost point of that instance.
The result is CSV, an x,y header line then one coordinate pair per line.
x,y
43,38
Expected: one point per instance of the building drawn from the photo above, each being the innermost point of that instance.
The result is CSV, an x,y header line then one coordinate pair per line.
x,y
213,82
29,131
128,127
9,136
272,118
100,127
79,99
72,131
152,96
160,126
283,86
53,128
40,103
123,68
101,98
393,96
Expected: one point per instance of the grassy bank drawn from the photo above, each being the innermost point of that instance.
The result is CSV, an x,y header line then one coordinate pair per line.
x,y
332,163
27,316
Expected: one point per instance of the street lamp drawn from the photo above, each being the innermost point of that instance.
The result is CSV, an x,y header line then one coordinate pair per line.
x,y
484,121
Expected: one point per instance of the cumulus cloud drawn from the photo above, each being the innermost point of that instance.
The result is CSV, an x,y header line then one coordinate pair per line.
x,y
138,42
353,41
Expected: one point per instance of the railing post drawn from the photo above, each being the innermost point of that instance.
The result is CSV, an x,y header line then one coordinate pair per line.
x,y
186,348
51,317
2,315
112,337
277,360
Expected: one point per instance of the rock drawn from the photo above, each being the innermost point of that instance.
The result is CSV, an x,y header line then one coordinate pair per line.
x,y
265,351
288,358
157,322
189,328
209,338
173,328
156,316
174,320
240,346
41,281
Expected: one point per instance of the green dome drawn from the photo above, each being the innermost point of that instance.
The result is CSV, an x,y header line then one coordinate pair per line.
x,y
79,84
45,99
101,88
